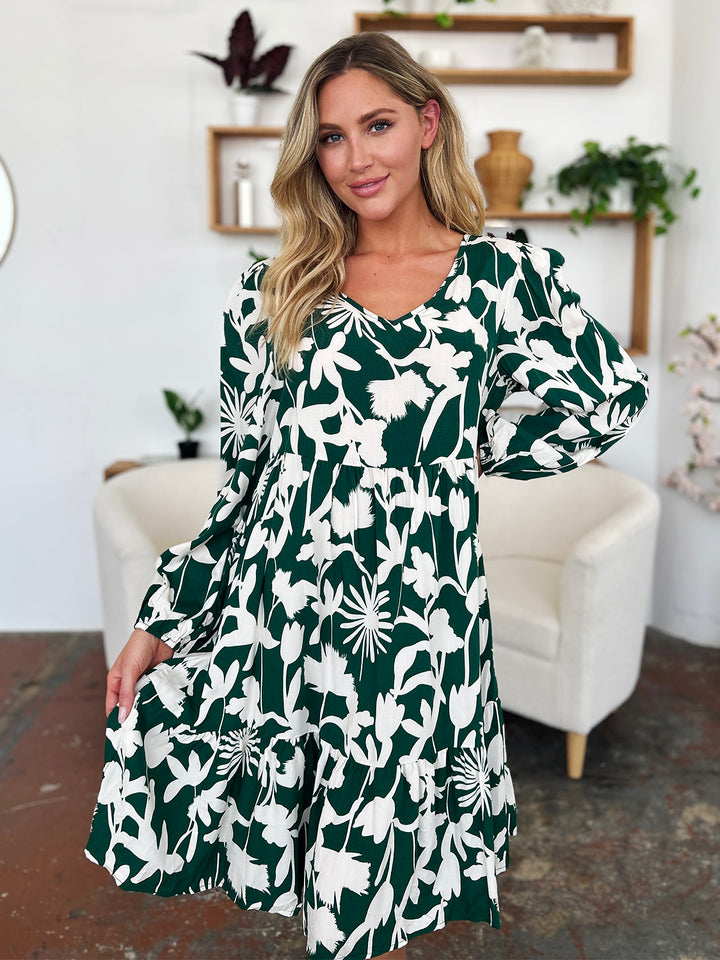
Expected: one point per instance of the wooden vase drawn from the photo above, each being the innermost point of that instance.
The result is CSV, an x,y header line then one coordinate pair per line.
x,y
504,171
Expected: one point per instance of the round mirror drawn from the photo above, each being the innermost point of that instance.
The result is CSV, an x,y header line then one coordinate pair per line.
x,y
7,211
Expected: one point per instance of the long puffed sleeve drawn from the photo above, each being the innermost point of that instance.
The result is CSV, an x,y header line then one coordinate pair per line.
x,y
183,603
592,392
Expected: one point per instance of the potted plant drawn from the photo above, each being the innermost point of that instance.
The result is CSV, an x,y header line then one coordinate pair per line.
x,y
188,418
245,74
577,7
597,173
442,19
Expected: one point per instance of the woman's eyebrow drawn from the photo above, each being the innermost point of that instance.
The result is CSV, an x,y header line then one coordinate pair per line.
x,y
363,119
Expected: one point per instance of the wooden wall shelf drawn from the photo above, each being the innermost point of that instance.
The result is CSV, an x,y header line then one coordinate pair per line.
x,y
642,264
620,27
215,137
644,229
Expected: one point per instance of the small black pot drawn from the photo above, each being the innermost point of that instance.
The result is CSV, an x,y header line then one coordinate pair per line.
x,y
188,448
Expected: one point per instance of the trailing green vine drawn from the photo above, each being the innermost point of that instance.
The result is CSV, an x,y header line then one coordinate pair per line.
x,y
653,180
442,19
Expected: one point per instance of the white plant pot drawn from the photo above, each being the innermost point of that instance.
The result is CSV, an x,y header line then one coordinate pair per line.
x,y
244,109
421,6
621,196
585,7
578,200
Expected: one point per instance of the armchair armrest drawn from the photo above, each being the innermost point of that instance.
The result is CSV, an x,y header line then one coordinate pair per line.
x,y
617,529
127,557
604,595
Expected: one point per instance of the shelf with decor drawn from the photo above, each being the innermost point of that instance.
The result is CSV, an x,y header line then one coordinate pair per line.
x,y
216,138
642,261
621,28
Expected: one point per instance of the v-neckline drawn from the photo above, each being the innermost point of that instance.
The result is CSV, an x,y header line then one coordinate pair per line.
x,y
410,313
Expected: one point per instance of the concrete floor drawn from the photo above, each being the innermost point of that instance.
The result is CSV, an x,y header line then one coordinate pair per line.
x,y
623,865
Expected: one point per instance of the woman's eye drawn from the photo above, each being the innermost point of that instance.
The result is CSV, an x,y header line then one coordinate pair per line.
x,y
380,125
328,138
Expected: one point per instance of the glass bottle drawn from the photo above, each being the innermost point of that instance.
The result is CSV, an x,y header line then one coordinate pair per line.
x,y
243,195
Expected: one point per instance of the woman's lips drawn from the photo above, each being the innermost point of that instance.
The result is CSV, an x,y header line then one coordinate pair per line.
x,y
369,187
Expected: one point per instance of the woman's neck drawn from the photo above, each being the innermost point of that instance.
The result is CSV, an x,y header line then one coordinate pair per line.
x,y
406,232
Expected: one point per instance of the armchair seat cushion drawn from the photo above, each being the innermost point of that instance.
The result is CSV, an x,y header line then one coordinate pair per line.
x,y
524,598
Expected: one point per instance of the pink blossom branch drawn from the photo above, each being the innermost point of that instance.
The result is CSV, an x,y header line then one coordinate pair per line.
x,y
703,457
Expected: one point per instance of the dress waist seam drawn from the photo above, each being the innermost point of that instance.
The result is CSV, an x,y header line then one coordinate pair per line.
x,y
306,460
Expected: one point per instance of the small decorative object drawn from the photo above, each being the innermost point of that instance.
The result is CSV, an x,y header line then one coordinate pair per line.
x,y
594,174
437,58
578,7
442,18
8,204
243,194
533,50
245,74
188,419
705,455
504,171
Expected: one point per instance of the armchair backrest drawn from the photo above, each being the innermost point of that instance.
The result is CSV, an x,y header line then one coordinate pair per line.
x,y
169,501
544,518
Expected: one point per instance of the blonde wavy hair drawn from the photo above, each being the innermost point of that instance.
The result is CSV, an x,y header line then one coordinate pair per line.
x,y
318,230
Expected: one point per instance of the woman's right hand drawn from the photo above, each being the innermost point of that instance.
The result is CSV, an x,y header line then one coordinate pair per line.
x,y
140,653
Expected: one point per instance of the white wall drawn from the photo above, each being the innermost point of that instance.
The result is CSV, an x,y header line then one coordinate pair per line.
x,y
114,286
687,596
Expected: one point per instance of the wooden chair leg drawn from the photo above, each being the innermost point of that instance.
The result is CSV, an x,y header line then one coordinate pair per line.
x,y
576,744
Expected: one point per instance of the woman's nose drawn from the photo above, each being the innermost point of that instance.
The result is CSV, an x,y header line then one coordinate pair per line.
x,y
360,158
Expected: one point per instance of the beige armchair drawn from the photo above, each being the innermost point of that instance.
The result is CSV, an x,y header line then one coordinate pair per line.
x,y
138,514
569,563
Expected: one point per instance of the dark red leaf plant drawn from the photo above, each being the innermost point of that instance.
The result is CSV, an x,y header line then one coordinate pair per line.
x,y
241,67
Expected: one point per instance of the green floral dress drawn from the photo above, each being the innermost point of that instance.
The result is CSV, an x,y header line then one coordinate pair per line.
x,y
327,738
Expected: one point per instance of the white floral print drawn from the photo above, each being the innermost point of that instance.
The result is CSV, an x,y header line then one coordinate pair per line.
x,y
327,738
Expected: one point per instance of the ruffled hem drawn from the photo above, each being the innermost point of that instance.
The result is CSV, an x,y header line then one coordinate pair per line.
x,y
371,854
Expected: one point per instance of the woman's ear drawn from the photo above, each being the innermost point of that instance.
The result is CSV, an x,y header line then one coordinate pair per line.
x,y
429,120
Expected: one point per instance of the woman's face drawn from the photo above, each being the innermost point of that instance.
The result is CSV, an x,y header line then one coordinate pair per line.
x,y
370,142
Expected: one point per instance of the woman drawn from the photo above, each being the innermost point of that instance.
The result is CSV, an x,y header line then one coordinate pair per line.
x,y
306,713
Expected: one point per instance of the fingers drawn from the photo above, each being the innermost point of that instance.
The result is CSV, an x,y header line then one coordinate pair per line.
x,y
140,652
113,690
121,687
127,694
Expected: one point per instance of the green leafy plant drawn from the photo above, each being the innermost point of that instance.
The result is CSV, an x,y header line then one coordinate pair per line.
x,y
442,19
653,180
527,190
241,67
187,416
